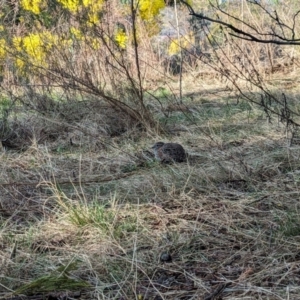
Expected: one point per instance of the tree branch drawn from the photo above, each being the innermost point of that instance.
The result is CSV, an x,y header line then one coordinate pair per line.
x,y
242,34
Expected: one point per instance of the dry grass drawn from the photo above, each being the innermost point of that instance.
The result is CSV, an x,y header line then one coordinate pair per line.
x,y
85,211
98,215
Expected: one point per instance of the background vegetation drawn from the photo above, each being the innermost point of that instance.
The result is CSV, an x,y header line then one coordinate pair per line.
x,y
86,212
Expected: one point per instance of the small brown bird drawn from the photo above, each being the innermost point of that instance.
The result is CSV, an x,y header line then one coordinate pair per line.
x,y
169,152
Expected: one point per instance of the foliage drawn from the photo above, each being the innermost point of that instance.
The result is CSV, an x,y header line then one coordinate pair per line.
x,y
35,47
39,19
150,8
76,33
121,38
32,5
71,5
2,48
58,280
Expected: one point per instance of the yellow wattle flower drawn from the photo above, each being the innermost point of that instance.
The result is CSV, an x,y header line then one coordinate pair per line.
x,y
3,46
121,38
150,8
71,5
76,33
32,5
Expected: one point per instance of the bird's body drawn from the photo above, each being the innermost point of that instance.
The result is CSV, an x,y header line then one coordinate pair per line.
x,y
169,152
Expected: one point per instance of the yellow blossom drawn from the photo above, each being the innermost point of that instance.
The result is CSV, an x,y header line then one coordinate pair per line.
x,y
95,44
150,8
71,5
20,63
32,5
2,48
17,42
76,33
63,43
94,7
35,47
121,38
93,18
95,3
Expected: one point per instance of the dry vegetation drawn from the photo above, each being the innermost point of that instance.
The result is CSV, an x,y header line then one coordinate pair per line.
x,y
98,216
86,212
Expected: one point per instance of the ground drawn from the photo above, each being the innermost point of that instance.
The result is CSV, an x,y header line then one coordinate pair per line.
x,y
86,211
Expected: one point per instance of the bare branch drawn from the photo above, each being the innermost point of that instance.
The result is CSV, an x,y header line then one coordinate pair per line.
x,y
245,35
